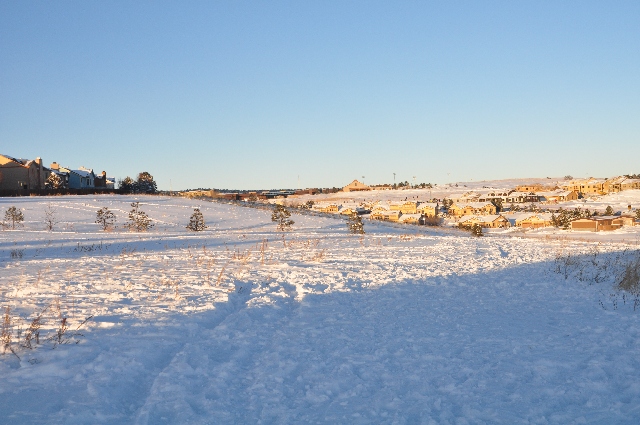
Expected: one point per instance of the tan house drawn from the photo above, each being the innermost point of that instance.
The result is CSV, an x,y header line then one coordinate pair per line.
x,y
406,207
493,221
589,186
410,218
330,208
534,221
427,208
385,215
472,208
559,196
22,174
597,224
533,187
351,209
355,186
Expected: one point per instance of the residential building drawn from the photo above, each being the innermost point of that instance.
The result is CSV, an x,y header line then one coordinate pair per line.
x,y
355,186
21,174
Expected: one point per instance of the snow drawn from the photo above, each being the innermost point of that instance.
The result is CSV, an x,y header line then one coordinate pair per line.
x,y
236,325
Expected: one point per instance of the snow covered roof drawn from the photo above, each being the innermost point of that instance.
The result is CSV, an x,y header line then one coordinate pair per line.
x,y
474,204
427,204
82,173
406,217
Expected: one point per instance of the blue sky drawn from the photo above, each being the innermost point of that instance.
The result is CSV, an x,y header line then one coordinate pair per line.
x,y
260,94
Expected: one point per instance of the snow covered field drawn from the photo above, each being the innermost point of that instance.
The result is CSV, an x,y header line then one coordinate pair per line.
x,y
236,325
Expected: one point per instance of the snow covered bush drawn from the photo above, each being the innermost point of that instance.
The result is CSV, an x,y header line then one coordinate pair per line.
x,y
354,224
53,182
196,223
139,221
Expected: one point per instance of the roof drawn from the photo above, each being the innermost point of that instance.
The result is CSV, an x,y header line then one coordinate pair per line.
x,y
82,173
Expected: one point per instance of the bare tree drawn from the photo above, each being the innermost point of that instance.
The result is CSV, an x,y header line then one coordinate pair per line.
x,y
50,219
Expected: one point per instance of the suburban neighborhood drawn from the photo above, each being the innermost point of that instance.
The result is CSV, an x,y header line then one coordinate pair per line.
x,y
20,176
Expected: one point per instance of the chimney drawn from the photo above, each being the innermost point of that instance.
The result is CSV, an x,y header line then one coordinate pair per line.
x,y
55,166
104,174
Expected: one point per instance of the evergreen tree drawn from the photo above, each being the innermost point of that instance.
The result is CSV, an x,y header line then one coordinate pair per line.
x,y
146,184
497,202
638,214
196,222
476,230
53,182
280,216
355,225
128,185
608,211
139,221
105,218
14,216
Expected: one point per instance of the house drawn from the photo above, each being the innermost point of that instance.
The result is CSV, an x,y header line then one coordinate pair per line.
x,y
597,223
405,207
410,218
100,180
532,187
428,209
534,220
494,194
325,207
385,215
21,174
472,208
82,178
355,186
349,209
558,196
589,186
64,175
518,197
486,221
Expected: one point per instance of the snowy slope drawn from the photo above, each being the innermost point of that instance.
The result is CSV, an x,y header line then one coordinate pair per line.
x,y
323,327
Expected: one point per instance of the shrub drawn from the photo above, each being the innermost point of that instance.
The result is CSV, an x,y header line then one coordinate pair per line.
x,y
281,216
630,278
50,219
354,224
139,221
433,221
196,222
105,218
14,216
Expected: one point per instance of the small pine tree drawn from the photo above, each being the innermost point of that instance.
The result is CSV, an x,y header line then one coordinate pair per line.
x,y
476,230
608,211
280,216
638,214
105,218
14,216
354,224
196,222
139,221
497,202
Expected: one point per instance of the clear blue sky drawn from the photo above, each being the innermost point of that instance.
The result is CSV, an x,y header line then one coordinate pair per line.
x,y
254,94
